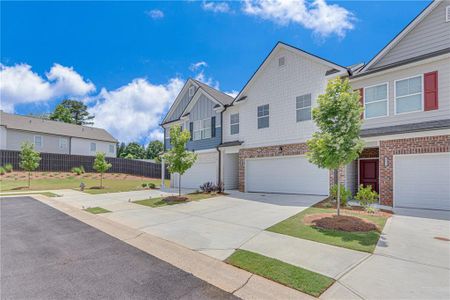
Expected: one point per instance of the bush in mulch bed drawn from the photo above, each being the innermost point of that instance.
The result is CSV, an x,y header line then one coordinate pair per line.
x,y
342,223
174,199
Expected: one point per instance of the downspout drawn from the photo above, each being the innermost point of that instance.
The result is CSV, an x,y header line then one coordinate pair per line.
x,y
221,141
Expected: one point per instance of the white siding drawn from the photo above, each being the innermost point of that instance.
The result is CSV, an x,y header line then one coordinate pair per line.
x,y
2,137
278,87
83,147
441,65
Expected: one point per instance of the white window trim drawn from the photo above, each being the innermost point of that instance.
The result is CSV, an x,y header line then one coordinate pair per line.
x,y
297,109
90,147
395,95
231,123
42,141
447,14
387,100
258,117
202,129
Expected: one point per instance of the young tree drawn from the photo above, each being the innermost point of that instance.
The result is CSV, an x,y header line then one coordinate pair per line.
x,y
62,114
338,118
178,159
101,166
29,159
78,111
154,148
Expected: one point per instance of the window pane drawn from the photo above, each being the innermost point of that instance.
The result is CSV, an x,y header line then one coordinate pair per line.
x,y
93,147
375,93
408,86
234,118
409,103
263,122
260,111
234,129
206,133
197,125
304,114
263,110
376,109
197,135
303,101
415,85
207,123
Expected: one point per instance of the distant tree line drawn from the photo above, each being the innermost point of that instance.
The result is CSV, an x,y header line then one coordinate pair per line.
x,y
135,150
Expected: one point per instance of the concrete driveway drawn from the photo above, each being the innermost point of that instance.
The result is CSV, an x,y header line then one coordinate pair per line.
x,y
215,226
411,261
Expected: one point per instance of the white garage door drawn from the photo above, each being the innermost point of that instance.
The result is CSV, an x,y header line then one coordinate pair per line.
x,y
204,170
422,181
288,174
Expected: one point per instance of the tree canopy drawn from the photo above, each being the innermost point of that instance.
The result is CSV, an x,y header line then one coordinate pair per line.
x,y
77,110
29,159
154,148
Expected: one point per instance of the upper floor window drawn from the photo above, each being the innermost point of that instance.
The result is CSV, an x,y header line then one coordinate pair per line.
x,y
93,147
191,91
447,14
202,129
376,101
38,141
263,116
408,95
281,61
62,143
303,107
234,123
111,148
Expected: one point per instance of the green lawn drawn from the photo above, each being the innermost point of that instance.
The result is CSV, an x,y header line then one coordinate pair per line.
x,y
157,202
361,241
73,182
97,210
292,276
48,194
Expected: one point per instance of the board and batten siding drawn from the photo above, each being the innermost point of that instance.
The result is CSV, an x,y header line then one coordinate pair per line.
x,y
278,87
430,35
441,65
178,110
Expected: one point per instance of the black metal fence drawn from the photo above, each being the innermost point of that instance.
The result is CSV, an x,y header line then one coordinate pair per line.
x,y
53,162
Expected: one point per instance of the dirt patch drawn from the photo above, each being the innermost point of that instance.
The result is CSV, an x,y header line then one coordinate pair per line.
x,y
173,199
342,222
15,175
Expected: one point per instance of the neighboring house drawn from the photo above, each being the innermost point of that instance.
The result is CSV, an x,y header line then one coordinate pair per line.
x,y
54,137
405,91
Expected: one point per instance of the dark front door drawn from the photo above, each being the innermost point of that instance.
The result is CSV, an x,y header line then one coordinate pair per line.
x,y
368,173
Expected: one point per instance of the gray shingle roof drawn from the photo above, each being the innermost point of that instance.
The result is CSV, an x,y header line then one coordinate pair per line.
x,y
218,95
34,124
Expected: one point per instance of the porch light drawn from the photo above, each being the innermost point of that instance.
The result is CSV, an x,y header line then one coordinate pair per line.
x,y
386,161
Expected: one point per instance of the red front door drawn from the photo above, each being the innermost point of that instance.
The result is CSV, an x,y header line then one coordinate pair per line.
x,y
368,173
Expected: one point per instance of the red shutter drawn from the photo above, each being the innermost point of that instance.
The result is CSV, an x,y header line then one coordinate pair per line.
x,y
361,100
431,90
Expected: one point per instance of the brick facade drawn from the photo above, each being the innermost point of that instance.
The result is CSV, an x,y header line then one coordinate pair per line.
x,y
270,151
370,153
431,144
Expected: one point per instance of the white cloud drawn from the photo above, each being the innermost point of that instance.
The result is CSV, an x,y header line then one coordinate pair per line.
x,y
155,14
19,84
133,112
232,93
322,18
195,66
217,7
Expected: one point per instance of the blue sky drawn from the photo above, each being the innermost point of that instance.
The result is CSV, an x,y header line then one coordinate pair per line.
x,y
127,60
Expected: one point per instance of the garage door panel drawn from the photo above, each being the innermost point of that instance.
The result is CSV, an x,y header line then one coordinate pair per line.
x,y
422,181
203,170
292,174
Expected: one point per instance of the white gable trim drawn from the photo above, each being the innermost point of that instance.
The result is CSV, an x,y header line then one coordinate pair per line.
x,y
304,54
195,98
401,35
183,91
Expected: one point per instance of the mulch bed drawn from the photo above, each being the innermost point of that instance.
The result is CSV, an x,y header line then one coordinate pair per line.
x,y
352,209
173,199
342,222
19,175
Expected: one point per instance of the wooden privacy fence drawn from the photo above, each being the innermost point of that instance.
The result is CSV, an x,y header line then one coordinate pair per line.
x,y
53,162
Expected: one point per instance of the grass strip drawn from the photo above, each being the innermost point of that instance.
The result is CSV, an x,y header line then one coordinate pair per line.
x,y
97,210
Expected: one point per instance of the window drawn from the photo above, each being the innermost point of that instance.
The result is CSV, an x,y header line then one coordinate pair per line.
x,y
447,14
202,129
263,116
62,143
191,91
38,141
376,101
234,123
281,61
93,147
111,148
303,107
408,95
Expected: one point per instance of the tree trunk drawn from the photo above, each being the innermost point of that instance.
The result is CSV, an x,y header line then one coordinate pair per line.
x,y
29,179
179,185
101,180
338,204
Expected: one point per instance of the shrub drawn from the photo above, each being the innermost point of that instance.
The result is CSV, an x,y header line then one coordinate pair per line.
x,y
207,187
2,171
144,185
82,169
76,170
151,185
8,168
219,188
345,194
366,196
